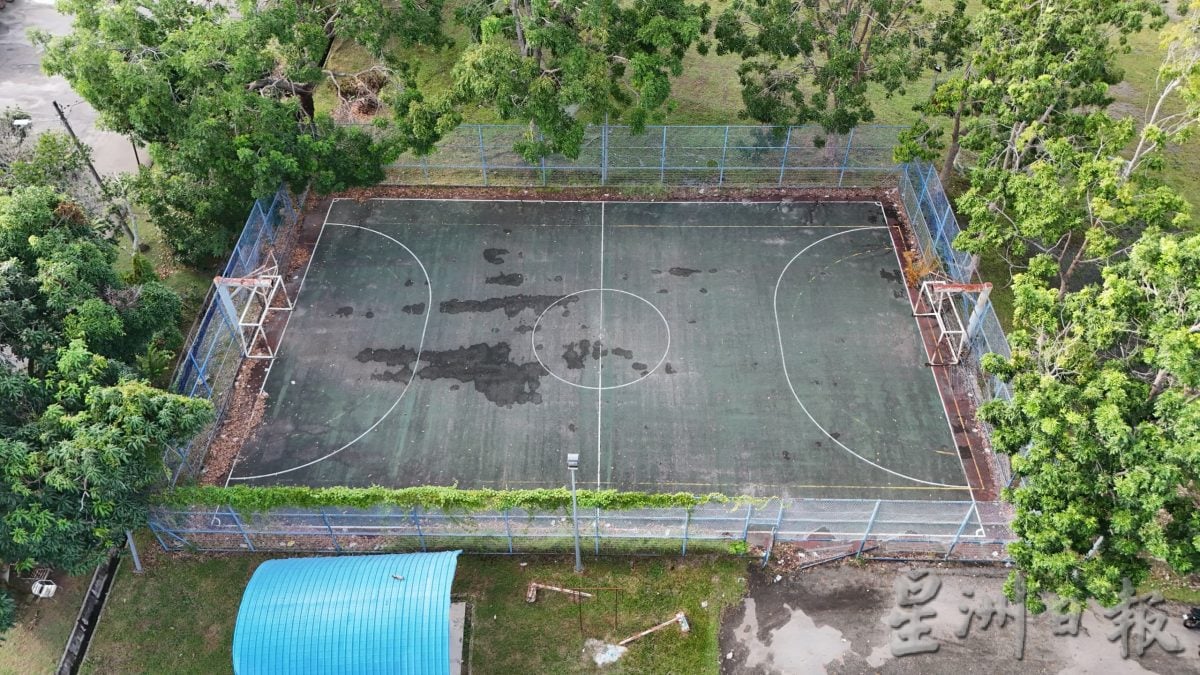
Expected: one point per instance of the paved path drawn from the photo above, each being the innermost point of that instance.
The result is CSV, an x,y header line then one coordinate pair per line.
x,y
23,85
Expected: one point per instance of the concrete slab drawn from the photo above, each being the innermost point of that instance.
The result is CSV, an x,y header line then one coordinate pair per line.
x,y
23,85
458,623
834,620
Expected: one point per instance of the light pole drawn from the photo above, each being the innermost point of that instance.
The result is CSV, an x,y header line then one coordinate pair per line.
x,y
572,466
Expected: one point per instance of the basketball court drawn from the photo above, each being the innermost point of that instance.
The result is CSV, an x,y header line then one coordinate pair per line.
x,y
764,349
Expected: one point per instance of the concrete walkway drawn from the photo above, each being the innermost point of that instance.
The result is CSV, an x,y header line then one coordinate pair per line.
x,y
24,86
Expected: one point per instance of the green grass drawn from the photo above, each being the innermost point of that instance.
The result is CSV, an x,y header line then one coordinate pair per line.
x,y
509,635
36,643
178,617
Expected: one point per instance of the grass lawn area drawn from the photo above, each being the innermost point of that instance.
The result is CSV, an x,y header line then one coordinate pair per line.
x,y
178,616
36,643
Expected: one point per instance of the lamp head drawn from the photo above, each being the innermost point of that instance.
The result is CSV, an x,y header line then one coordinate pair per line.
x,y
573,460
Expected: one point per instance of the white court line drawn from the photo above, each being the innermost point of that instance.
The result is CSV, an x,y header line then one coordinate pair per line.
x,y
576,294
286,322
783,359
420,348
600,366
941,398
603,201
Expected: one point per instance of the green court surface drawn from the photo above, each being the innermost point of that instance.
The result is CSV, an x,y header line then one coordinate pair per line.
x,y
764,349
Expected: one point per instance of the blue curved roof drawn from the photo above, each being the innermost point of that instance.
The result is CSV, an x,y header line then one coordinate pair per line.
x,y
347,615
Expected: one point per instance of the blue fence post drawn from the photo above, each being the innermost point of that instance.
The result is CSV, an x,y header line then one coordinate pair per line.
x,y
425,169
507,530
596,549
662,167
846,157
787,144
604,152
746,525
724,151
482,154
687,521
329,527
961,526
154,527
238,522
870,524
416,519
774,531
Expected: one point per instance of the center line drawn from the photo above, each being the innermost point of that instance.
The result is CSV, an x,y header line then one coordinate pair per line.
x,y
600,370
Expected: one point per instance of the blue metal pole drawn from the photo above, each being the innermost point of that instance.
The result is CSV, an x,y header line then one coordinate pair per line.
x,y
482,154
416,519
575,523
846,158
724,151
687,521
961,526
596,533
604,151
746,526
662,170
867,532
786,146
329,527
507,531
238,521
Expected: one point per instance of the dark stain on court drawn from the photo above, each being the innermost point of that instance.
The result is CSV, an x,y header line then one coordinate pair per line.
x,y
489,367
511,304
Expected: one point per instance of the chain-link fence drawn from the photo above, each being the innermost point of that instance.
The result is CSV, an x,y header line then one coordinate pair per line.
x,y
736,156
209,364
934,227
936,528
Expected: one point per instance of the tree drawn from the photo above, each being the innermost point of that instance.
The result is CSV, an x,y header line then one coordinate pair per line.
x,y
1104,424
1064,184
1020,66
814,60
559,65
225,99
81,474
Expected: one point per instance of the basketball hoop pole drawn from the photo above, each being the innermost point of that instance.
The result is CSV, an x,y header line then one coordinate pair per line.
x,y
976,319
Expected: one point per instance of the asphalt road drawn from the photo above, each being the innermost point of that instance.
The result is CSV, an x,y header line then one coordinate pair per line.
x,y
23,84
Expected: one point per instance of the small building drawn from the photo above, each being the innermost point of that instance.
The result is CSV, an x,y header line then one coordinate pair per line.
x,y
350,615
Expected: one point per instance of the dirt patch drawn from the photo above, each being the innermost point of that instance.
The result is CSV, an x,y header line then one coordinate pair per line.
x,y
243,414
835,619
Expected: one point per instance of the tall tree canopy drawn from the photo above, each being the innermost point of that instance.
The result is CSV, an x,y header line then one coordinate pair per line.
x,y
1104,424
814,60
224,98
560,65
81,436
1064,183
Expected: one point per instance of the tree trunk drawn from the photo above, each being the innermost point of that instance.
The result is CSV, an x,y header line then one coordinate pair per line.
x,y
952,151
306,103
1065,276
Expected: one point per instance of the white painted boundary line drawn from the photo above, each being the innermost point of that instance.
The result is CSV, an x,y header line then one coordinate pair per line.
x,y
787,377
420,348
600,366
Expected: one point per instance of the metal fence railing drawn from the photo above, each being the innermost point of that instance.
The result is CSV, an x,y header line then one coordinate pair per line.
x,y
482,155
209,364
736,156
936,527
